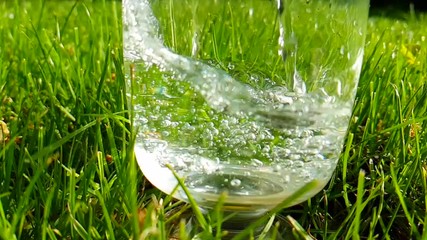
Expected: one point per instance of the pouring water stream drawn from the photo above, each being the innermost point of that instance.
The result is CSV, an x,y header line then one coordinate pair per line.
x,y
221,91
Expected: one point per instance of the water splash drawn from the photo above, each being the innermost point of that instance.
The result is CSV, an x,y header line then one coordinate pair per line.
x,y
143,42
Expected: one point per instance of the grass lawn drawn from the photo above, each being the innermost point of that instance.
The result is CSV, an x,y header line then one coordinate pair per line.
x,y
67,169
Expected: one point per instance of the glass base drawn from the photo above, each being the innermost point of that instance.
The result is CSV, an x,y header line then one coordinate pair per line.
x,y
235,225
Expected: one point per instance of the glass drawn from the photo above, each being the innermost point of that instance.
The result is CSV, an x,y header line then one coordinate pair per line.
x,y
249,98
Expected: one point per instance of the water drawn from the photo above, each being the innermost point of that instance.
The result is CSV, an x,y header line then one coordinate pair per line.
x,y
246,132
264,158
263,154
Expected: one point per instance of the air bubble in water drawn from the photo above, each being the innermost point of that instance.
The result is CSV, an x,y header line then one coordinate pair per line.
x,y
165,133
230,66
256,163
235,182
298,164
286,179
142,120
215,131
166,123
266,149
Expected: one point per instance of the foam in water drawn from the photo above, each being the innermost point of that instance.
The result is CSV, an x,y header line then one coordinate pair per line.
x,y
221,135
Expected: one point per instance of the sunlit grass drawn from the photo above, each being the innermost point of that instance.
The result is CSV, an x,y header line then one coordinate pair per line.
x,y
67,168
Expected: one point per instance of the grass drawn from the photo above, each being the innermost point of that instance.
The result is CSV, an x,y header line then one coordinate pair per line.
x,y
67,168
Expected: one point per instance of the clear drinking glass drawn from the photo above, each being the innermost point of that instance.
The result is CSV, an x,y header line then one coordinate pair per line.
x,y
251,98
